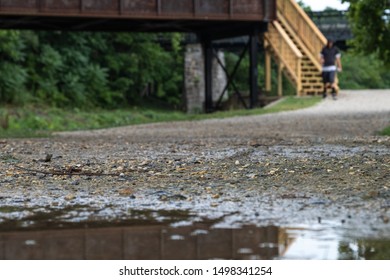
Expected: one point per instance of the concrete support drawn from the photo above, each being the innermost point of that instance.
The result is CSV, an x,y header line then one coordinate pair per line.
x,y
194,79
194,86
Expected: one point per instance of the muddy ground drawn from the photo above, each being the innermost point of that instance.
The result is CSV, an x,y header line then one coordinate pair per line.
x,y
323,165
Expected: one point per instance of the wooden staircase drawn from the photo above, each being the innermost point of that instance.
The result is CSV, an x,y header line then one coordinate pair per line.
x,y
295,43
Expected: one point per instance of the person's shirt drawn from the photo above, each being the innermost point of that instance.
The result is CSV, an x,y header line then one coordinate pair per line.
x,y
329,56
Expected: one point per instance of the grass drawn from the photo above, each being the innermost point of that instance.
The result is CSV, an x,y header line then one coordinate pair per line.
x,y
33,121
385,132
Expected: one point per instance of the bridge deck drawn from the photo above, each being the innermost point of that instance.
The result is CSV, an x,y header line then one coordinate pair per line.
x,y
132,15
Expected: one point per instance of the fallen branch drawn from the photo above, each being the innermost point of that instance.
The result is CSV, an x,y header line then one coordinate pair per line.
x,y
65,173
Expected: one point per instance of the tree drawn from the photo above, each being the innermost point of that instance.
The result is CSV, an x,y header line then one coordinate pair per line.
x,y
12,74
370,20
305,7
88,69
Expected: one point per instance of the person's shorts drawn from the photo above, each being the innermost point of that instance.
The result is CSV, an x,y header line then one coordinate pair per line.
x,y
328,77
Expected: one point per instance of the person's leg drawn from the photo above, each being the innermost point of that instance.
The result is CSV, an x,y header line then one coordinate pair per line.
x,y
325,82
324,92
332,82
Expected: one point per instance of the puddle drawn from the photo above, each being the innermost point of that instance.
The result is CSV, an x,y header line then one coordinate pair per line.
x,y
14,218
48,234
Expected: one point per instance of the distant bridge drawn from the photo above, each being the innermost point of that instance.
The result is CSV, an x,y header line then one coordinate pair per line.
x,y
333,24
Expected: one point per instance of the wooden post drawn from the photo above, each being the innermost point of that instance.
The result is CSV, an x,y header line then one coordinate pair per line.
x,y
253,71
299,77
268,83
280,79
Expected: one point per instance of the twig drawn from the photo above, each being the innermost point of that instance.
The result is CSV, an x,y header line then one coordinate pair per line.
x,y
65,173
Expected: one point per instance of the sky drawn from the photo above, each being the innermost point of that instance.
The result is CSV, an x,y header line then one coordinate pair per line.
x,y
320,5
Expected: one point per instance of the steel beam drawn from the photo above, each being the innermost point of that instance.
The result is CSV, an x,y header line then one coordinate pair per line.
x,y
208,71
230,78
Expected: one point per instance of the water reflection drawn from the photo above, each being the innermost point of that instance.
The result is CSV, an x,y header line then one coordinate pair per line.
x,y
363,249
82,232
144,242
199,241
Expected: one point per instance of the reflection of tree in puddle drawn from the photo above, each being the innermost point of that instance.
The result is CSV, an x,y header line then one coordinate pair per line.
x,y
145,242
365,249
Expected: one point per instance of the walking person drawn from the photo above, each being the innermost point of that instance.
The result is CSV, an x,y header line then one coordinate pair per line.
x,y
331,62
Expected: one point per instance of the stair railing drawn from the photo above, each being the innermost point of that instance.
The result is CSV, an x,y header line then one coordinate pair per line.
x,y
302,25
286,52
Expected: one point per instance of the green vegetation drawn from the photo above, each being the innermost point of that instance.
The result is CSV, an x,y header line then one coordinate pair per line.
x,y
363,72
55,81
370,21
37,122
386,131
88,69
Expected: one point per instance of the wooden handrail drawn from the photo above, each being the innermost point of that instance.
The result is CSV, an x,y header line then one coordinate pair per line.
x,y
286,51
314,57
285,37
296,42
302,25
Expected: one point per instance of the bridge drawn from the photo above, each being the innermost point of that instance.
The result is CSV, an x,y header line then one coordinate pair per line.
x,y
199,16
287,33
333,24
209,19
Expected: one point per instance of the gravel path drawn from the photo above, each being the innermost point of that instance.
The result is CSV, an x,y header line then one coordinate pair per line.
x,y
325,163
355,113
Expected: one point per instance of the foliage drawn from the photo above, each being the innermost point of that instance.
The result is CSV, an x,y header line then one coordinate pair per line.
x,y
370,21
363,72
305,7
241,78
112,70
87,69
13,75
365,250
386,131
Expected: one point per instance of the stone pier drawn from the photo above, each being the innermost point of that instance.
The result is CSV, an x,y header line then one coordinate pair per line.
x,y
194,79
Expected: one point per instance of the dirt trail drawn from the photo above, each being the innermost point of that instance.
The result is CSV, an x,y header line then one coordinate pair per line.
x,y
355,113
323,164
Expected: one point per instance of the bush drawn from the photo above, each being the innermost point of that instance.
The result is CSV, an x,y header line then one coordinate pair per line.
x,y
87,69
363,72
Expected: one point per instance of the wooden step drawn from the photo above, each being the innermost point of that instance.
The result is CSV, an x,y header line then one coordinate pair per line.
x,y
310,81
309,70
311,74
311,78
